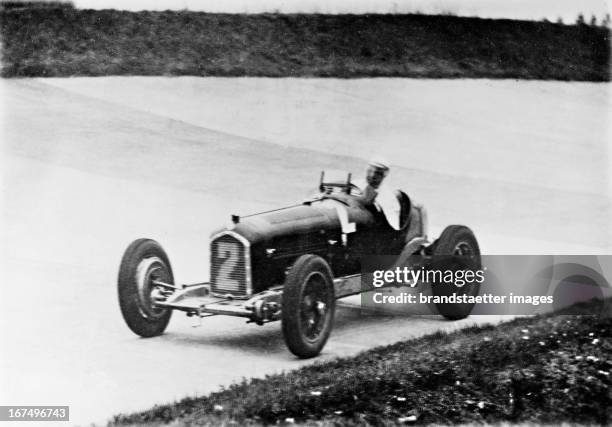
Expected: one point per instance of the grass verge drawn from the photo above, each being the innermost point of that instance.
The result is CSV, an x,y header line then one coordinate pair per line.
x,y
64,41
546,369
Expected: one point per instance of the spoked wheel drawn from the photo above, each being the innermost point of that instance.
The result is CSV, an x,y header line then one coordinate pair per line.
x,y
456,250
144,262
308,306
313,308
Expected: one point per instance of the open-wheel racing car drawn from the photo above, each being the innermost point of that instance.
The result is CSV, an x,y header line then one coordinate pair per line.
x,y
292,264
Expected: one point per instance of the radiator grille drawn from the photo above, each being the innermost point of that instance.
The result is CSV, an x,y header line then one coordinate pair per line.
x,y
229,266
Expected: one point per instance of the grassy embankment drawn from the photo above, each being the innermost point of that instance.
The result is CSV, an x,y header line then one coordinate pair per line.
x,y
546,369
63,41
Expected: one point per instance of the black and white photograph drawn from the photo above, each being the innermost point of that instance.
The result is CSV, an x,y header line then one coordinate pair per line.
x,y
305,212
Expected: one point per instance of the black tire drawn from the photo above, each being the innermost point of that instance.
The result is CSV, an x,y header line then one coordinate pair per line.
x,y
308,306
456,249
143,261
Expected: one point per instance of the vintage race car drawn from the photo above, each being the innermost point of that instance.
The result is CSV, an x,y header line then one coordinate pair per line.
x,y
292,264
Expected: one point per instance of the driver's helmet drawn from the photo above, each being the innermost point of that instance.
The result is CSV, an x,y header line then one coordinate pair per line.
x,y
379,163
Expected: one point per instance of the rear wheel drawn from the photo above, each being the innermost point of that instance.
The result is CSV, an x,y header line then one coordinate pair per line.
x,y
308,306
143,262
455,252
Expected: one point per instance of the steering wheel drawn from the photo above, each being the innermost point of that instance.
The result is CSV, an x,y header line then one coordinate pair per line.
x,y
333,188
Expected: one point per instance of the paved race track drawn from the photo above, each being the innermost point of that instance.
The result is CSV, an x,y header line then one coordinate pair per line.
x,y
89,164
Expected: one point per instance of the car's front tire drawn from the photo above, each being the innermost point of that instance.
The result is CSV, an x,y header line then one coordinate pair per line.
x,y
308,306
143,262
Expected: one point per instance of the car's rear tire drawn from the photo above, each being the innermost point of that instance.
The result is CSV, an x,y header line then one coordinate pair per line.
x,y
308,306
456,249
143,261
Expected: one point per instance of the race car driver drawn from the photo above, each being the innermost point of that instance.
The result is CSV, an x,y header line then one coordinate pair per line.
x,y
377,195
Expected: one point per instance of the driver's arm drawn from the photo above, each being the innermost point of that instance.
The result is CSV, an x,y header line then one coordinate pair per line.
x,y
368,196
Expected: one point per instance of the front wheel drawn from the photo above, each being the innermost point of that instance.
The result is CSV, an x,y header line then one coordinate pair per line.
x,y
143,262
455,252
308,306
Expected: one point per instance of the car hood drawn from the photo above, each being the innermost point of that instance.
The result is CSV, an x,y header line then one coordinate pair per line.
x,y
319,217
